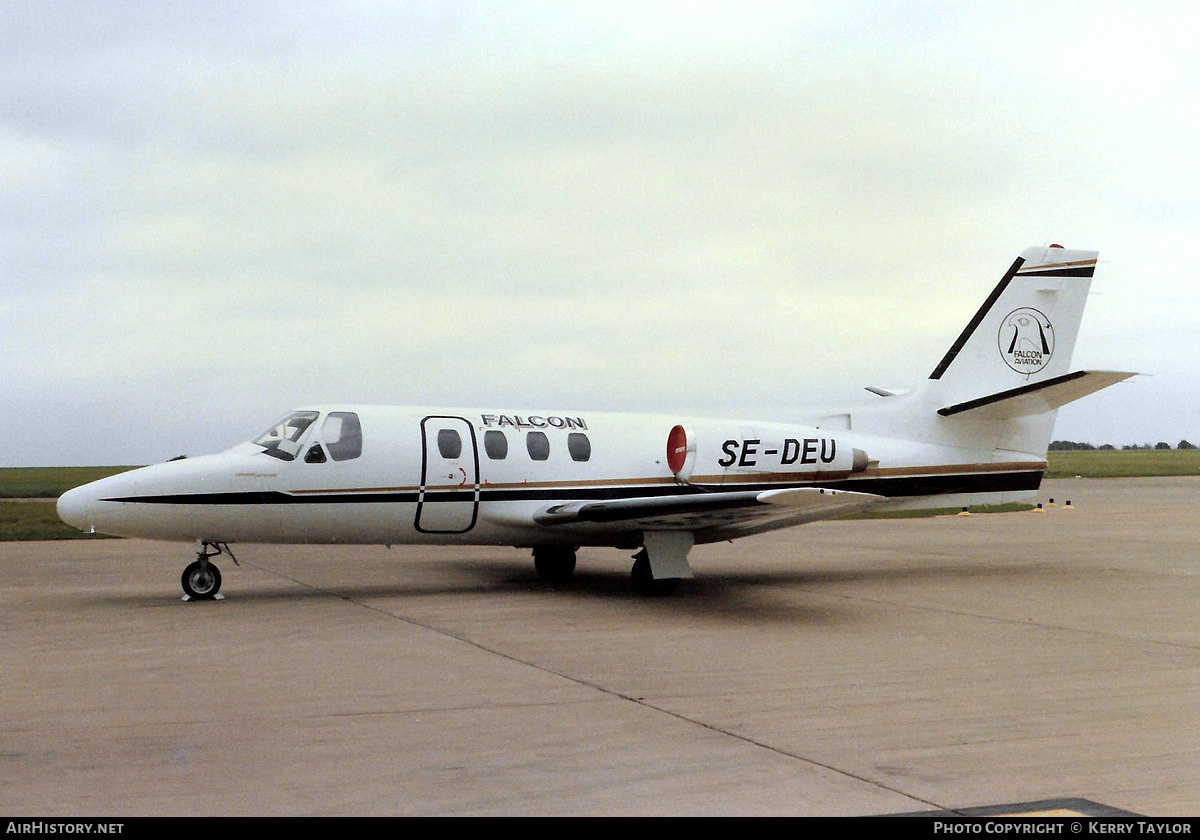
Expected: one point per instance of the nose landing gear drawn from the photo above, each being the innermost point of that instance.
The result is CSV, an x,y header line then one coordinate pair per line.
x,y
202,579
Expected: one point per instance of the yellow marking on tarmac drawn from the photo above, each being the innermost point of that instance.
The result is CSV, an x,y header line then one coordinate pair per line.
x,y
1040,809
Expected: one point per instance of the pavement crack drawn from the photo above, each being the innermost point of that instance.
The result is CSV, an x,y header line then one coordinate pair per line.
x,y
641,702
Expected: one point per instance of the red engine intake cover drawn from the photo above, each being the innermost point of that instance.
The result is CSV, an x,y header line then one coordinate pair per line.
x,y
676,449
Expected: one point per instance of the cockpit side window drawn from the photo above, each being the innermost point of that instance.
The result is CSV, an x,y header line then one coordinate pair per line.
x,y
282,440
342,434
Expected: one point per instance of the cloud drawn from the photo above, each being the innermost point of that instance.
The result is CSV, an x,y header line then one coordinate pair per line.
x,y
695,207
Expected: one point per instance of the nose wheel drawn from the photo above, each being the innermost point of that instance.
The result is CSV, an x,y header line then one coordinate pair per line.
x,y
202,579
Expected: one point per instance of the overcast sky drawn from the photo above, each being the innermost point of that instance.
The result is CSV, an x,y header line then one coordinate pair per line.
x,y
211,213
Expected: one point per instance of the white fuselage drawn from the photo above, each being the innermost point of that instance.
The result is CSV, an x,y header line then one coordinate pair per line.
x,y
483,476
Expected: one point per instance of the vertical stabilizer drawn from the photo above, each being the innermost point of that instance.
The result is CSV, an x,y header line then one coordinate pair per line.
x,y
1025,331
1001,381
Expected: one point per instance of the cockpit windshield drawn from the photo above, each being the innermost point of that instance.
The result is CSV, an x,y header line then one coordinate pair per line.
x,y
282,439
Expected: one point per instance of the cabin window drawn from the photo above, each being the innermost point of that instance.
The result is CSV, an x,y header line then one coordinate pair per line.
x,y
449,444
495,444
579,446
342,434
538,445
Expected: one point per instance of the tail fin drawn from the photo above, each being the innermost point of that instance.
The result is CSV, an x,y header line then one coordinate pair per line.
x,y
1001,382
1025,330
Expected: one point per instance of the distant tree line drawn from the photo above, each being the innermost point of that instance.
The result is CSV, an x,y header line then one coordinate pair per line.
x,y
1059,445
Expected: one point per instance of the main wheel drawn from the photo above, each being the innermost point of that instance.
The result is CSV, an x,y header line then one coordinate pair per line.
x,y
201,581
644,582
554,563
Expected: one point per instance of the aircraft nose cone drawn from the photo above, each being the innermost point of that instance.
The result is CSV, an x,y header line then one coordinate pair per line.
x,y
74,507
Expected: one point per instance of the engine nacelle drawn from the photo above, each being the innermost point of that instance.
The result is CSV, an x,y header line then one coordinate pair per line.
x,y
783,451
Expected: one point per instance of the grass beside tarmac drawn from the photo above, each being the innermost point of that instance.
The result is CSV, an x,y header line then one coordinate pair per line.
x,y
48,482
1123,463
36,519
28,494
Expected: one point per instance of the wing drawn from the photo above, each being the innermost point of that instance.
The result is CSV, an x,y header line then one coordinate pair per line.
x,y
710,516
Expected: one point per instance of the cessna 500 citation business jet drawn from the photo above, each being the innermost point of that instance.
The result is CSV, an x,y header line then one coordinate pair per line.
x,y
975,432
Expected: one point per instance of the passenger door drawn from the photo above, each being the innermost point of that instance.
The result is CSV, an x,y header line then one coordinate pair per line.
x,y
448,502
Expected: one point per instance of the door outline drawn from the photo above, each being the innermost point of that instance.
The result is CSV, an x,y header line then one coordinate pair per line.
x,y
433,507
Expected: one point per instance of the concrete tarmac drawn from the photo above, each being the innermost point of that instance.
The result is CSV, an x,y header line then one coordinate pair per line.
x,y
840,668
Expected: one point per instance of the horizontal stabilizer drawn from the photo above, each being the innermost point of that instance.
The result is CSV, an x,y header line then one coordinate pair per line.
x,y
1038,397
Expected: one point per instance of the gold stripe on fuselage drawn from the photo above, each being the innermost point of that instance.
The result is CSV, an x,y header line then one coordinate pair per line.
x,y
718,479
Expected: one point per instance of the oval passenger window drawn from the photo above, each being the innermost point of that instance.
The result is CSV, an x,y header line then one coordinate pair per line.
x,y
449,444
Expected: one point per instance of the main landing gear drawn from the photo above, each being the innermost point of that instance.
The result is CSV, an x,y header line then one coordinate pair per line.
x,y
644,582
657,568
554,563
662,562
202,579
